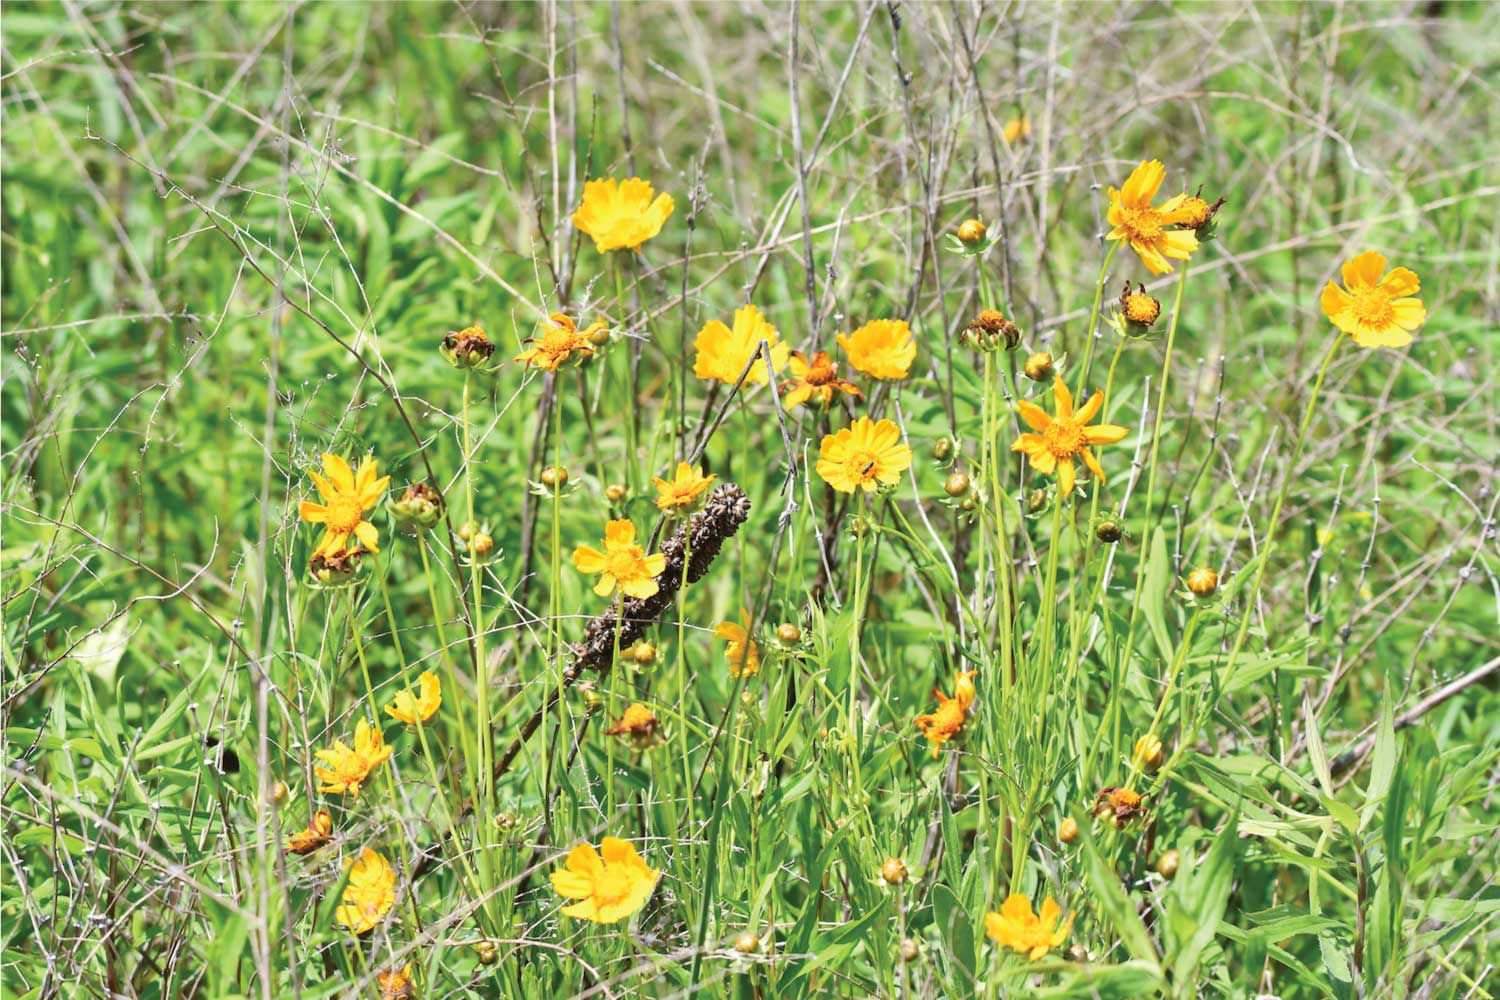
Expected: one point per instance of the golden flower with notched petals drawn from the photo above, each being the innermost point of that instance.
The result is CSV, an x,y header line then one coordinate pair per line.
x,y
947,720
684,489
623,563
865,455
348,767
319,829
347,495
411,707
1144,225
723,352
742,652
369,894
1066,436
1018,928
1375,308
608,889
814,381
621,215
561,342
882,348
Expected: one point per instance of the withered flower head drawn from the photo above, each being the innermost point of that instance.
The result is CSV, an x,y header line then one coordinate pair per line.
x,y
335,567
989,329
467,348
1195,213
637,725
1118,805
319,829
1139,309
419,506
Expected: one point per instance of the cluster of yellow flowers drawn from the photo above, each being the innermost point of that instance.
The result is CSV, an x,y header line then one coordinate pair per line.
x,y
1376,307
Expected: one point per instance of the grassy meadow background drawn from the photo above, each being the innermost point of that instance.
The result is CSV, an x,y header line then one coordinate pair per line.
x,y
234,237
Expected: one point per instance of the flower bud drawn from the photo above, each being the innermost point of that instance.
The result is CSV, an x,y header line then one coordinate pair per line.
x,y
466,530
893,871
481,544
1039,367
1168,863
748,942
1203,582
1108,531
643,653
1067,830
278,794
615,492
488,952
942,448
910,950
957,484
1148,751
554,477
971,232
1036,501
788,634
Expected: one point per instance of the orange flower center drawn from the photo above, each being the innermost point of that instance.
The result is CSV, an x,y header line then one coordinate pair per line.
x,y
1142,224
1063,438
1372,306
625,563
344,514
862,466
611,885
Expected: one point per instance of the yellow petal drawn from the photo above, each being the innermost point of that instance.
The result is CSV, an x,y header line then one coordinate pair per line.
x,y
1090,408
313,513
1065,475
1062,397
338,472
1363,269
588,560
1105,433
619,532
1036,418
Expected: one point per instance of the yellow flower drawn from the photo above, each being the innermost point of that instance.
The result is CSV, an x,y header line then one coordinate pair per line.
x,y
882,348
559,342
1375,308
623,563
423,705
866,455
947,720
637,725
1064,437
683,489
1148,751
621,215
1017,129
347,766
1016,927
742,652
1144,225
396,984
816,380
319,829
369,894
722,352
607,890
346,497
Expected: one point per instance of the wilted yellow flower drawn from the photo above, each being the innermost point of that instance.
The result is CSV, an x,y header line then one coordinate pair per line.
x,y
947,720
1016,927
369,894
865,455
684,489
1375,308
319,829
608,890
638,725
623,563
347,766
396,984
1064,437
346,497
742,652
621,215
882,348
409,707
1144,226
1137,307
1118,805
814,380
723,352
560,342
1017,129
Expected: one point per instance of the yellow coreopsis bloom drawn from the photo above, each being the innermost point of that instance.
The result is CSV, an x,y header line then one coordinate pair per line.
x,y
741,651
621,215
1064,437
560,341
411,707
319,829
723,352
865,455
369,894
947,720
1016,927
882,348
623,563
814,380
1375,308
348,767
1017,129
1144,225
346,497
608,890
683,489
